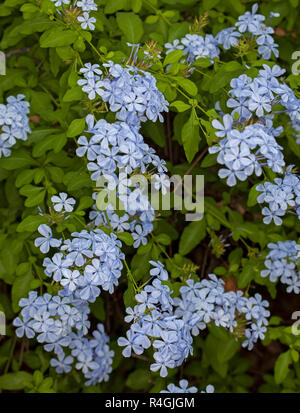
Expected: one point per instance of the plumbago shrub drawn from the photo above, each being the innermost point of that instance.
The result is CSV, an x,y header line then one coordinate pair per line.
x,y
101,291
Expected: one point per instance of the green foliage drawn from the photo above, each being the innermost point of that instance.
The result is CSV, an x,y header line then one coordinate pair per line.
x,y
43,62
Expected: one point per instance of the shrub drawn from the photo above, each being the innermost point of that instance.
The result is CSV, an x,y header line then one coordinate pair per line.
x,y
103,287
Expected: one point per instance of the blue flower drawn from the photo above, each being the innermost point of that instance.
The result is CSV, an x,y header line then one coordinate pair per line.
x,y
182,388
62,202
54,267
209,389
70,279
130,344
272,215
159,270
281,263
228,37
87,21
62,364
139,236
14,123
162,363
87,5
24,327
47,241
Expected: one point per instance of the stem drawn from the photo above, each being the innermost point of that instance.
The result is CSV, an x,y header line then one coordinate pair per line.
x,y
33,264
129,273
165,252
196,161
108,221
158,12
50,94
76,217
186,96
12,349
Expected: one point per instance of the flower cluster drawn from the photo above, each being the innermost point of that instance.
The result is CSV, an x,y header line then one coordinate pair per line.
x,y
246,148
183,388
282,262
207,301
119,147
251,26
168,324
282,195
130,92
153,319
246,151
195,46
118,150
60,324
14,123
89,261
78,10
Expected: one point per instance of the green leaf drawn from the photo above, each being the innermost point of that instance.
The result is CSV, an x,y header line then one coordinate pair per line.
x,y
202,62
9,261
129,295
281,368
98,309
55,142
131,26
73,94
228,350
38,24
15,381
173,57
237,6
136,5
126,237
57,174
20,288
77,180
221,79
211,207
58,37
246,275
139,379
187,85
155,131
252,196
76,127
177,31
192,235
18,159
151,19
295,147
36,199
163,239
209,160
190,136
30,190
294,355
232,66
24,177
115,5
180,106
31,223
212,347
84,203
